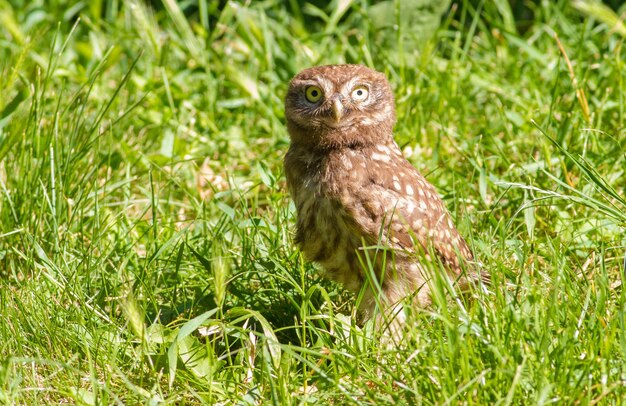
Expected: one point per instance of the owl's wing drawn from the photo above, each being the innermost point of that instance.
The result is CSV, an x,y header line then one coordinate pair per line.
x,y
398,205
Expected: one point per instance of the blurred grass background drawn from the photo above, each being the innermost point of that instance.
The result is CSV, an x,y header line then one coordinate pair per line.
x,y
146,248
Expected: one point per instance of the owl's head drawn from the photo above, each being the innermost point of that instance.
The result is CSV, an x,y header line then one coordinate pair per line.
x,y
339,105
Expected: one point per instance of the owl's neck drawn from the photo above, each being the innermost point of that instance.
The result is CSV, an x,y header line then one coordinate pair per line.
x,y
325,139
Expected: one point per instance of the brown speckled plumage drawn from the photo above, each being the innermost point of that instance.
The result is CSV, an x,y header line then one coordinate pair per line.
x,y
353,188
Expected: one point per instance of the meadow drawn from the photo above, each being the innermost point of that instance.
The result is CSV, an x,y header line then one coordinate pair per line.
x,y
146,234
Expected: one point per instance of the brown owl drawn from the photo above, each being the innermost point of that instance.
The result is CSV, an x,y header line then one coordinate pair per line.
x,y
353,189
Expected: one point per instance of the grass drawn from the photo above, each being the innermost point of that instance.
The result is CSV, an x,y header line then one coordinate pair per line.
x,y
146,235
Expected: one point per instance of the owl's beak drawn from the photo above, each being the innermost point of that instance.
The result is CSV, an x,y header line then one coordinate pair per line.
x,y
337,109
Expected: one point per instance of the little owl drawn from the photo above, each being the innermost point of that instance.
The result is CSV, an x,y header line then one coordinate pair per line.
x,y
359,202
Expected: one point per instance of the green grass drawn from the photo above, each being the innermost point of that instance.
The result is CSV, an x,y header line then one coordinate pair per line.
x,y
146,248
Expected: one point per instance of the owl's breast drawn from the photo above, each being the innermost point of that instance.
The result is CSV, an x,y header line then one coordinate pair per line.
x,y
326,191
325,232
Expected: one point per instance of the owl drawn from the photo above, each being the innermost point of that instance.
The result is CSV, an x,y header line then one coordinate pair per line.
x,y
358,200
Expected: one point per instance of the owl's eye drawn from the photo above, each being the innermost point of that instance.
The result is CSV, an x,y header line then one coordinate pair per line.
x,y
360,93
313,94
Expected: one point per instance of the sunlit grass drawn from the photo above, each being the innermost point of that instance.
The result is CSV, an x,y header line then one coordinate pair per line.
x,y
146,247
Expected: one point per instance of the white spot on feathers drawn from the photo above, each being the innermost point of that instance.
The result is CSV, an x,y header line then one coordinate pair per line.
x,y
346,162
410,207
380,157
383,148
417,224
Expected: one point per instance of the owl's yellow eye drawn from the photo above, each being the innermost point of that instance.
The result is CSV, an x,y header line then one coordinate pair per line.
x,y
313,94
360,93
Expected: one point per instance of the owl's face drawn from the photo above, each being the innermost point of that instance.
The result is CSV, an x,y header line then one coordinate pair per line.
x,y
337,104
